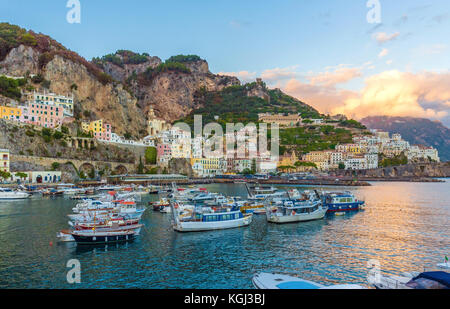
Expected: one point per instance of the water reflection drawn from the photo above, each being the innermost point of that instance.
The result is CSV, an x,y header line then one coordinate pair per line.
x,y
405,227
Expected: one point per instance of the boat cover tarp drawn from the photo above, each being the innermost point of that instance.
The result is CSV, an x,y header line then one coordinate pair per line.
x,y
439,276
297,285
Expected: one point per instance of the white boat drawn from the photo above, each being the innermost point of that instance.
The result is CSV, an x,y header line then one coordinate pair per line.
x,y
425,280
284,282
196,219
8,194
295,211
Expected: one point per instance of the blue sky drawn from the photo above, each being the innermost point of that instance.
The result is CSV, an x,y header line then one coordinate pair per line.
x,y
301,39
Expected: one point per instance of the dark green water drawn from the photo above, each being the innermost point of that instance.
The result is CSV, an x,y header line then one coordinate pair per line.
x,y
405,227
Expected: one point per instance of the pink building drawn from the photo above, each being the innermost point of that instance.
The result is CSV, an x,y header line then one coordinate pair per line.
x,y
164,150
43,115
105,134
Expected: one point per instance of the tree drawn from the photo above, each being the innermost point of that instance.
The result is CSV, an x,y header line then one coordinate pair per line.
x,y
341,166
140,169
5,175
55,166
21,175
150,155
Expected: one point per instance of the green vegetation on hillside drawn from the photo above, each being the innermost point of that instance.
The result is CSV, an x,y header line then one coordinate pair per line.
x,y
313,138
10,87
184,58
126,57
394,161
233,105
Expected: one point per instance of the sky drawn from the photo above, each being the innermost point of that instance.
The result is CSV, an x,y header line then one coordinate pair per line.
x,y
326,53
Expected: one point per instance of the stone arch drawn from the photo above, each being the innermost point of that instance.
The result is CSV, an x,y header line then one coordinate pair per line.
x,y
121,170
86,168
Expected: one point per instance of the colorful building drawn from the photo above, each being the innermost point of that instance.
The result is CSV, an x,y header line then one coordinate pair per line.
x,y
10,113
64,102
99,129
43,115
4,160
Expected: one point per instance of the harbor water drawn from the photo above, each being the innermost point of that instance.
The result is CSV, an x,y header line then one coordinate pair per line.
x,y
405,227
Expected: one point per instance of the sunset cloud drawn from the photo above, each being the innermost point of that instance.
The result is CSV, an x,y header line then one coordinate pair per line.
x,y
277,75
395,93
333,78
383,53
383,37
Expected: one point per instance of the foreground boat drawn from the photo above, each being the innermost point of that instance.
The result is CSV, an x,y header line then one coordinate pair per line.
x,y
426,280
283,282
199,219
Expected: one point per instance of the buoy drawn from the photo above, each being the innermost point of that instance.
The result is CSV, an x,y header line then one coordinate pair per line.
x,y
51,243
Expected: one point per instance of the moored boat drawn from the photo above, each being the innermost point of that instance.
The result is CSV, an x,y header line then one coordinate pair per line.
x,y
8,194
207,218
100,237
338,202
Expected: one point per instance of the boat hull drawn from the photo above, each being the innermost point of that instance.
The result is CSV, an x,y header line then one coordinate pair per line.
x,y
210,226
100,239
333,208
317,215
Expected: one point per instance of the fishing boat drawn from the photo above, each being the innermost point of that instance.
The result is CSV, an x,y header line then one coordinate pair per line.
x,y
201,218
8,194
256,208
284,282
91,237
66,235
158,205
338,202
307,208
52,192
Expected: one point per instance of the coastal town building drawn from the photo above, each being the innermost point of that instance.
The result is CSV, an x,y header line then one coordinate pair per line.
x,y
99,129
290,120
156,125
208,167
10,113
43,114
422,153
4,160
48,98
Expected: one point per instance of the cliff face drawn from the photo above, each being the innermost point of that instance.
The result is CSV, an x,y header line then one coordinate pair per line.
x,y
109,101
170,93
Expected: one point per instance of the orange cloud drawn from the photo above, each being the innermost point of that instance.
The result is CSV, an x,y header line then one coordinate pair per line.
x,y
339,76
395,93
383,37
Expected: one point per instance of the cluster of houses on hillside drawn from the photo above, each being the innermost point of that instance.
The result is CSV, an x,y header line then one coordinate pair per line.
x,y
51,110
364,152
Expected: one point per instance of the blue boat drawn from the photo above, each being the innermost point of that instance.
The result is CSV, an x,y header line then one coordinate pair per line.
x,y
341,202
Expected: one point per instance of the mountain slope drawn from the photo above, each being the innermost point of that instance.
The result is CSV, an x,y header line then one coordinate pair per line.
x,y
169,86
415,130
25,53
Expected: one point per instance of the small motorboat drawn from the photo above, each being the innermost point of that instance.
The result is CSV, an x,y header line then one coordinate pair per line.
x,y
8,194
284,282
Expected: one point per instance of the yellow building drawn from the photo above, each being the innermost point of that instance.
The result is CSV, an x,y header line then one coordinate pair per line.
x,y
4,160
288,160
208,166
352,148
290,120
10,113
156,125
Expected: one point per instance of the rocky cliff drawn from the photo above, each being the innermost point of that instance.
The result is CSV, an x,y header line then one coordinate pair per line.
x,y
169,90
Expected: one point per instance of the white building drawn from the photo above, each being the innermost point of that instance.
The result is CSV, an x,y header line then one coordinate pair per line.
x,y
420,152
